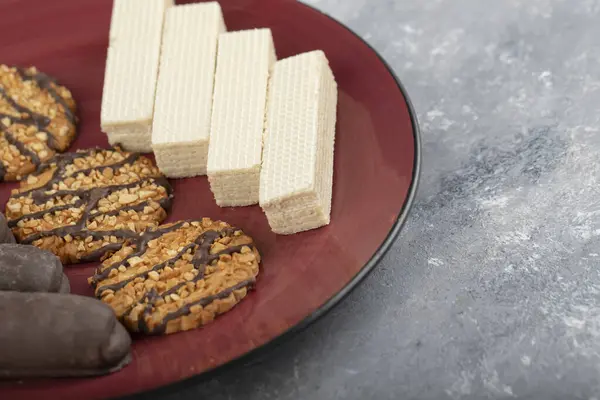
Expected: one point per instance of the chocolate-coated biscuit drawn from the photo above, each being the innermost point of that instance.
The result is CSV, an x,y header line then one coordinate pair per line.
x,y
65,285
29,269
179,276
59,335
83,205
6,235
37,120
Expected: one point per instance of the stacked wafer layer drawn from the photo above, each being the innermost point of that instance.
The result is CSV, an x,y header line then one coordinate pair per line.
x,y
262,130
243,64
297,169
131,72
181,126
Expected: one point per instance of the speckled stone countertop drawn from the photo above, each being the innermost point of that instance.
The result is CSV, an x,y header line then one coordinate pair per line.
x,y
493,289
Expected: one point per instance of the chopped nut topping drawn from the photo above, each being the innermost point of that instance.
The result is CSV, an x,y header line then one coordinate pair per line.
x,y
39,95
60,197
187,284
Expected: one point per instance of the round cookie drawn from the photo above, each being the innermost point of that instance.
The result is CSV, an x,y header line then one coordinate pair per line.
x,y
37,120
179,276
6,235
83,205
29,269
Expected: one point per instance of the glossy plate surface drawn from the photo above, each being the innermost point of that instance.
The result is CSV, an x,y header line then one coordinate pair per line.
x,y
303,275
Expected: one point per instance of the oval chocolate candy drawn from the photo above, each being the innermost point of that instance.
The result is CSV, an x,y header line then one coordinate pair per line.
x,y
59,335
26,268
6,235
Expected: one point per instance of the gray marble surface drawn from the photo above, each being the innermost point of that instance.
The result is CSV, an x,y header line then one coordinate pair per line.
x,y
493,290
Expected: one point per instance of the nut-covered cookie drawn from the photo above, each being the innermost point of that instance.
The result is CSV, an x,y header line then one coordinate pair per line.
x,y
179,276
83,205
37,120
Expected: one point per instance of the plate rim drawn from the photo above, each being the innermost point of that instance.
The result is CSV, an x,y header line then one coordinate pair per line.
x,y
256,354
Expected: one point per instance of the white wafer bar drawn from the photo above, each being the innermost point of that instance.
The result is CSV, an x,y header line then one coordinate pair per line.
x,y
297,170
183,105
243,63
131,71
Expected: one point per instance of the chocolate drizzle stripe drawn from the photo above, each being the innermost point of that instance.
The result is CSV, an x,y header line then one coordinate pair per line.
x,y
106,272
111,189
13,222
2,171
186,309
21,109
79,229
18,120
51,142
60,231
136,207
21,147
130,159
202,258
39,193
75,232
29,117
142,245
200,275
97,254
158,267
58,175
151,235
99,235
204,242
202,254
84,198
92,199
45,82
61,160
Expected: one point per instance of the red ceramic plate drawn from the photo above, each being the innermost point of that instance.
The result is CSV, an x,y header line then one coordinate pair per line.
x,y
303,275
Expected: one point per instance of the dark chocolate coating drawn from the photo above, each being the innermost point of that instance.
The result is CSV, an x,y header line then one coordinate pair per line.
x,y
6,235
59,335
65,285
30,269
